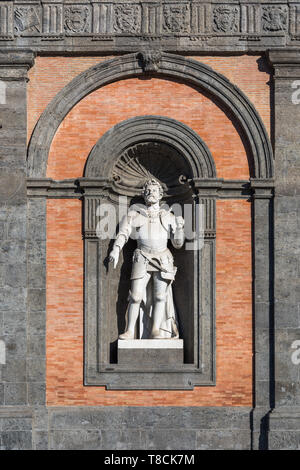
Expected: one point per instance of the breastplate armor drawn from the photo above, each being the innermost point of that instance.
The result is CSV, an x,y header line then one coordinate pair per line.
x,y
152,253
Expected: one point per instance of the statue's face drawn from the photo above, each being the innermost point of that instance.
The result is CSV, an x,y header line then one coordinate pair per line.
x,y
152,194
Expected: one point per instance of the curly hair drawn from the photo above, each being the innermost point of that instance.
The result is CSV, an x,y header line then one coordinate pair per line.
x,y
153,182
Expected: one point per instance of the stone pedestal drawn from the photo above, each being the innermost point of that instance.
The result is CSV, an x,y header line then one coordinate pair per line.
x,y
141,352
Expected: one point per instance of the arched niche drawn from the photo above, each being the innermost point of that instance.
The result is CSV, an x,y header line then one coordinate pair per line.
x,y
118,165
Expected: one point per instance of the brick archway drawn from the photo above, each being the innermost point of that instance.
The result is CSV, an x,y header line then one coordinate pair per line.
x,y
169,65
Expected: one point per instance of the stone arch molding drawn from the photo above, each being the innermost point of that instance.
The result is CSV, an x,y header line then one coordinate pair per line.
x,y
168,65
145,129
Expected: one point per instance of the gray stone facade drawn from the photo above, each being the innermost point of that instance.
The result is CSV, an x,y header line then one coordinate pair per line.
x,y
121,428
146,38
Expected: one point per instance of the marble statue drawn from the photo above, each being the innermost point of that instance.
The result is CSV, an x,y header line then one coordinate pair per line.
x,y
153,270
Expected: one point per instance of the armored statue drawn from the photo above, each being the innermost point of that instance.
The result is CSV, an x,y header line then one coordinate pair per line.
x,y
153,270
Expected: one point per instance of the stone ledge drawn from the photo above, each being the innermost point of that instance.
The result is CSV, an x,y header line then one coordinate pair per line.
x,y
150,344
285,418
16,412
284,57
17,58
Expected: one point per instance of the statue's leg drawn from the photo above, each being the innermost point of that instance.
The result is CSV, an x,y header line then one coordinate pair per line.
x,y
138,287
160,287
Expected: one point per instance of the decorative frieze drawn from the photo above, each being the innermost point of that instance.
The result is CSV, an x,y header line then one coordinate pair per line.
x,y
201,18
151,18
77,19
176,18
127,18
6,20
274,18
227,24
226,19
27,19
52,18
103,18
250,18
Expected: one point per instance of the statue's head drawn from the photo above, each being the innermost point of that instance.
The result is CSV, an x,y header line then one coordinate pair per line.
x,y
152,191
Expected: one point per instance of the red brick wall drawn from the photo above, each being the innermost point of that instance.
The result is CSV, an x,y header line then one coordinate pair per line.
x,y
48,76
77,134
65,315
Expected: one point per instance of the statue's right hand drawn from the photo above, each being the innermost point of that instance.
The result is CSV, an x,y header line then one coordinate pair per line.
x,y
114,257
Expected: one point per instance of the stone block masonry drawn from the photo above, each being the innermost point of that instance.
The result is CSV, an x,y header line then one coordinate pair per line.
x,y
44,403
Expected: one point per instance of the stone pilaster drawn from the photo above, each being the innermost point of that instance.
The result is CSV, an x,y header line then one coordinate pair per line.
x,y
13,208
286,248
263,304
